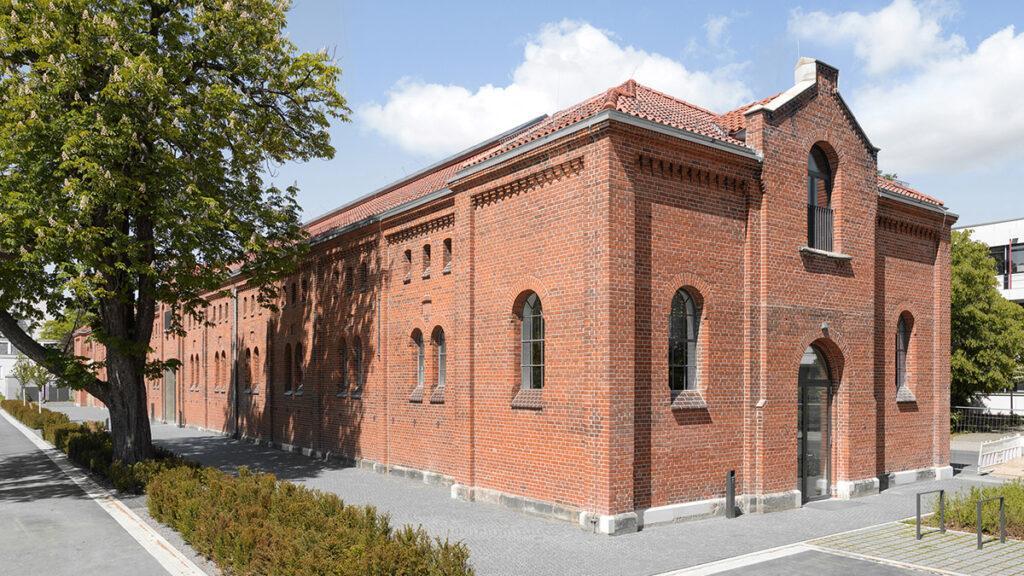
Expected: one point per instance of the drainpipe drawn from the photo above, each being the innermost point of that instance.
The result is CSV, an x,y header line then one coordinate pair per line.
x,y
234,361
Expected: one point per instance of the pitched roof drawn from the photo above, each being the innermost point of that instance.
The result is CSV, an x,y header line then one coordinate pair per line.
x,y
903,189
628,98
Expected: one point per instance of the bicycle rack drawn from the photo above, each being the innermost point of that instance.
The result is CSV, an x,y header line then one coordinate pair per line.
x,y
942,511
1002,518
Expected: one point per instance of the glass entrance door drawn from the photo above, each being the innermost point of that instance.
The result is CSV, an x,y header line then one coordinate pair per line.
x,y
813,422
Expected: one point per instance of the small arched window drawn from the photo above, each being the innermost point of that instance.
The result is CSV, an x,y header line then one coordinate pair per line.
x,y
442,356
819,200
287,368
902,344
532,343
683,331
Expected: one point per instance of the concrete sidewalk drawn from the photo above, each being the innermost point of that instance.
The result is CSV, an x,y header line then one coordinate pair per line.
x,y
50,526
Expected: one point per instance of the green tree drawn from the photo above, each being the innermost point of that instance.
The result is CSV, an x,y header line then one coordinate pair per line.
x,y
134,140
987,330
62,328
29,374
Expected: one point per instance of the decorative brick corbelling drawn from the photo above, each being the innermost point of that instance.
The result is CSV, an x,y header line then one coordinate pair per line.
x,y
898,226
683,172
446,221
529,182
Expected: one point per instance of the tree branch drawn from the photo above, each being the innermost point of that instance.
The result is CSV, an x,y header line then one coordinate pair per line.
x,y
54,362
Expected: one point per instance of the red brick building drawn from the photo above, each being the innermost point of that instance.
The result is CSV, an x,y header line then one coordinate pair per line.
x,y
600,313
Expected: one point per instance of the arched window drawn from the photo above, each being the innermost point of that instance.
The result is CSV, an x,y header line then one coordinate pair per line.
x,y
442,356
256,367
417,341
287,368
357,365
298,367
902,344
364,276
819,200
426,260
343,360
247,373
532,343
683,331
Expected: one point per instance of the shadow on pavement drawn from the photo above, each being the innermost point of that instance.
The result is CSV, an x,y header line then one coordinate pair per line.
x,y
31,477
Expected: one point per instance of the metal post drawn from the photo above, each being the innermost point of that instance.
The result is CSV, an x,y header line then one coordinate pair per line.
x,y
979,524
942,511
730,494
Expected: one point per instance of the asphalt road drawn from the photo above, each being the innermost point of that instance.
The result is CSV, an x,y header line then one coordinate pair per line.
x,y
49,526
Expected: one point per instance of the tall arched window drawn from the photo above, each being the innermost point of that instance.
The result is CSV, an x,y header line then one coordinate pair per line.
x,y
683,331
357,364
256,367
532,343
902,344
417,342
287,368
442,356
819,200
343,361
298,367
247,373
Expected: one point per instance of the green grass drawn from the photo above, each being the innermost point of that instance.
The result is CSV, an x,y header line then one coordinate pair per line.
x,y
962,511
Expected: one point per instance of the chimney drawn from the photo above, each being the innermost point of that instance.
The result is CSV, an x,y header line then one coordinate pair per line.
x,y
811,70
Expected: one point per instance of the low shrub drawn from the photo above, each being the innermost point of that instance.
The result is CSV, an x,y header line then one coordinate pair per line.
x,y
255,524
962,510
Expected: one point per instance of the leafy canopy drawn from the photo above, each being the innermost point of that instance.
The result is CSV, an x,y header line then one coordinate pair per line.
x,y
134,140
987,330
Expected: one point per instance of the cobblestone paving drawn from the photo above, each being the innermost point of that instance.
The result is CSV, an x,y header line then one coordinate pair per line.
x,y
955,552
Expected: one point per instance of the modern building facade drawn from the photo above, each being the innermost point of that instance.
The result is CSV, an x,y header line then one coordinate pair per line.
x,y
1006,241
599,314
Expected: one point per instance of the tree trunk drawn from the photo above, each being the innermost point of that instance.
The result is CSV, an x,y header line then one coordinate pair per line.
x,y
129,419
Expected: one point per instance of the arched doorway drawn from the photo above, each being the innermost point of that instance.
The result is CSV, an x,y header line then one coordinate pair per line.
x,y
814,421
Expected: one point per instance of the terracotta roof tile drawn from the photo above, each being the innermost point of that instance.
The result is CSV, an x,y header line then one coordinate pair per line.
x,y
901,188
629,98
734,120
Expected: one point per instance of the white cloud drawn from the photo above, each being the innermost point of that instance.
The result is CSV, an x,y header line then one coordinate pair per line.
x,y
951,109
715,27
563,64
903,34
959,113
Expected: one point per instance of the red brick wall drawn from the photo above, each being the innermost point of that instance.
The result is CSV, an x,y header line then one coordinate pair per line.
x,y
604,227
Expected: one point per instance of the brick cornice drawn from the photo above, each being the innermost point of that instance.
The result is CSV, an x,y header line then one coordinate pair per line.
x,y
900,226
440,223
683,172
529,182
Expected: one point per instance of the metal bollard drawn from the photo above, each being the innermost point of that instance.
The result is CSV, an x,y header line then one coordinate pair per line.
x,y
730,494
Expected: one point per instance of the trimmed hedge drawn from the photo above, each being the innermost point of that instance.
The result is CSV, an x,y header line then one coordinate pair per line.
x,y
254,524
89,445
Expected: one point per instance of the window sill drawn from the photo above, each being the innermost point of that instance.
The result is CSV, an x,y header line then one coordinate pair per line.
x,y
437,396
426,276
341,395
357,395
825,253
528,399
447,269
903,394
689,400
417,394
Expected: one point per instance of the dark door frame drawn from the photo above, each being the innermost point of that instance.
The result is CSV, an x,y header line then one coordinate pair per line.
x,y
803,384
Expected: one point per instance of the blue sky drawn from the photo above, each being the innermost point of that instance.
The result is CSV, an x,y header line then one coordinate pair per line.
x,y
937,84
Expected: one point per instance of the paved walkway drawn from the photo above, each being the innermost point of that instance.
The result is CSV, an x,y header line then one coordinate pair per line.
x,y
505,542
954,552
50,526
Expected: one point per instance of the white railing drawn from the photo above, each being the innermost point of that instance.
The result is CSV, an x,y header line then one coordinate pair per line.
x,y
996,452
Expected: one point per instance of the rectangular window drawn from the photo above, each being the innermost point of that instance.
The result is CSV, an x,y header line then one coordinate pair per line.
x,y
447,256
1017,259
5,348
408,266
999,254
350,280
168,318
